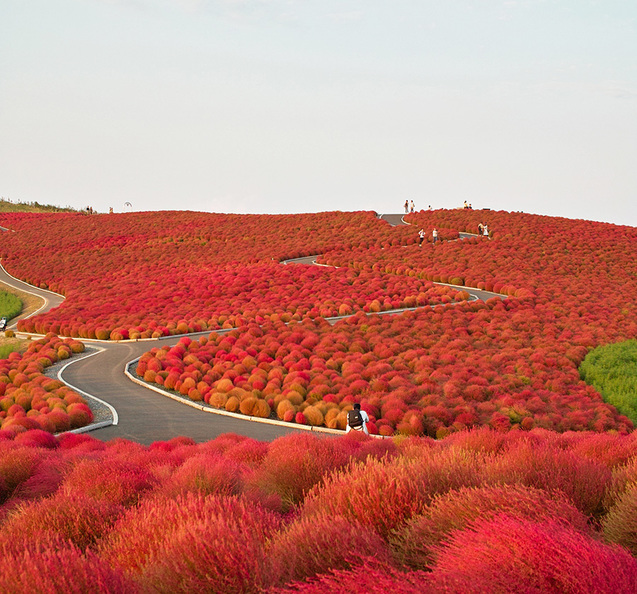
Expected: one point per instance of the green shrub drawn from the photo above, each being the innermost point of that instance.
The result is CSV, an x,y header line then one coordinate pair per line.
x,y
6,350
10,305
612,370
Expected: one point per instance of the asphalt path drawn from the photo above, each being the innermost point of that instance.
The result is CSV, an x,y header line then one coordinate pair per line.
x,y
50,300
143,415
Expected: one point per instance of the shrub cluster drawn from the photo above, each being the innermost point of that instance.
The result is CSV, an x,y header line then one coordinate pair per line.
x,y
31,400
612,369
479,511
142,275
508,364
418,373
10,305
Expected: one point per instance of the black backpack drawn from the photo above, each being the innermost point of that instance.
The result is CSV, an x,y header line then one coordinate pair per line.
x,y
355,418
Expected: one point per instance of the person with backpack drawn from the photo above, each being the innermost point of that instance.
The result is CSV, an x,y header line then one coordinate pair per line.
x,y
357,420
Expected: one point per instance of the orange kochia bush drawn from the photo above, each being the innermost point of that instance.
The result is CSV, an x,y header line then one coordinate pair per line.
x,y
31,400
154,274
415,514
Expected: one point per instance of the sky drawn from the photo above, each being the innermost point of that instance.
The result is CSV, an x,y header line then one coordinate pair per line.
x,y
283,106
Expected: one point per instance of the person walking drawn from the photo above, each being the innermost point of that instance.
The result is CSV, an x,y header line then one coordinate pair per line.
x,y
406,206
435,235
421,237
357,420
485,231
413,206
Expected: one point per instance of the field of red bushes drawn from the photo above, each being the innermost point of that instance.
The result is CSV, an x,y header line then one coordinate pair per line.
x,y
31,400
509,364
478,511
154,274
530,486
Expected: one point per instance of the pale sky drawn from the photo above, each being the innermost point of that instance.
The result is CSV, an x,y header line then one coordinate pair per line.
x,y
277,106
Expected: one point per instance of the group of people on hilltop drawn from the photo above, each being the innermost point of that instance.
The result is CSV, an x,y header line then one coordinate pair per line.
x,y
409,206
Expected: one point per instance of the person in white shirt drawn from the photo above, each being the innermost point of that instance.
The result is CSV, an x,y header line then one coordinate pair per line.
x,y
357,420
435,235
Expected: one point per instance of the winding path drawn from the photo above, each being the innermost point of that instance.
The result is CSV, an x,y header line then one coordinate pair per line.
x,y
141,415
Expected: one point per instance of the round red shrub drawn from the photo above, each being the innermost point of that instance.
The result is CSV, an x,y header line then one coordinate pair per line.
x,y
64,568
324,543
502,554
415,543
194,543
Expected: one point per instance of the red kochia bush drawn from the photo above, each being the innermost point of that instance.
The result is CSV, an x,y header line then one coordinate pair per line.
x,y
545,466
124,483
414,543
297,462
62,569
45,479
17,464
194,544
206,474
76,518
385,494
311,546
505,554
371,578
37,438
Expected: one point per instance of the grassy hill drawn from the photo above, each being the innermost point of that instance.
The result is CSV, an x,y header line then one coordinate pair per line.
x,y
7,206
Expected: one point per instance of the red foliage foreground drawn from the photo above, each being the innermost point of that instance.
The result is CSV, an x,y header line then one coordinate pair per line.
x,y
479,511
31,400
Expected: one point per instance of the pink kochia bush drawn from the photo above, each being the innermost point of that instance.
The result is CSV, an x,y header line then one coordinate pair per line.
x,y
31,400
310,514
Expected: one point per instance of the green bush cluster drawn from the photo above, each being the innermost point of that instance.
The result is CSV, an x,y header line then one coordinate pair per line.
x,y
10,305
612,370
